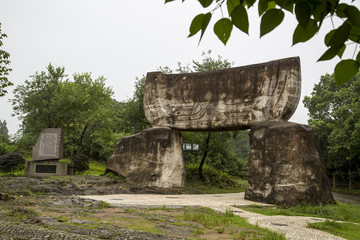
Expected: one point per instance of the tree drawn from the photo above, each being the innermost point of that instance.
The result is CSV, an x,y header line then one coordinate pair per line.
x,y
131,113
310,16
5,145
82,107
4,69
334,113
4,132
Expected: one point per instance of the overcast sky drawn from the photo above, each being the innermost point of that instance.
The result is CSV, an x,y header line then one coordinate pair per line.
x,y
122,40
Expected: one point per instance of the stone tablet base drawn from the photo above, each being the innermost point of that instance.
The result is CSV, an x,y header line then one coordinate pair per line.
x,y
46,168
152,158
285,167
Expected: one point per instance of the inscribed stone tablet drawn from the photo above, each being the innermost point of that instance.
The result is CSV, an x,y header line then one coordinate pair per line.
x,y
49,145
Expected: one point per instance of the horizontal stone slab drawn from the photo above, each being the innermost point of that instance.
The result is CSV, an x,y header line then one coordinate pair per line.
x,y
228,99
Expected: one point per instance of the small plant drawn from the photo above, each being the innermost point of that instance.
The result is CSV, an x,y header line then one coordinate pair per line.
x,y
103,205
80,163
11,162
113,175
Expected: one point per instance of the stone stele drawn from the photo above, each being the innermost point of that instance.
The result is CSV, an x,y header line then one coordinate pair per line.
x,y
228,99
49,145
150,158
285,167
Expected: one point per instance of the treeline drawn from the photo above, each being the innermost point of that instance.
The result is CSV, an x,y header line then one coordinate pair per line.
x,y
334,113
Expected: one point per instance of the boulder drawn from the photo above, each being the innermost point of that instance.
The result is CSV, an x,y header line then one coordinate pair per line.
x,y
150,158
227,99
285,166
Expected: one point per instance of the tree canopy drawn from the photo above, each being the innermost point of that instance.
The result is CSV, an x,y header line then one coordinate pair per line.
x,y
310,16
334,112
4,69
83,107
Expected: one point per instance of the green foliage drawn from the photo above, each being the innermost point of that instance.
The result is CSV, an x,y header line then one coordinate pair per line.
x,y
4,69
310,16
131,116
80,162
6,148
212,176
9,163
5,145
334,113
96,168
82,107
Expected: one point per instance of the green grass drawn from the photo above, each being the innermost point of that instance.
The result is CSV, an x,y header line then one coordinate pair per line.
x,y
338,211
238,227
345,230
347,190
95,168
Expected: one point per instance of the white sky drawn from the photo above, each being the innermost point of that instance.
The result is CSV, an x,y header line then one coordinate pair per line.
x,y
122,40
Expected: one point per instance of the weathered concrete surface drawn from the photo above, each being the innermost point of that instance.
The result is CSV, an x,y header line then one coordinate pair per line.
x,y
46,168
150,158
285,167
227,99
49,145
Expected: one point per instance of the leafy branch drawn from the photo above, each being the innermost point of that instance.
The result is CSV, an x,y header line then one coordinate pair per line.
x,y
310,16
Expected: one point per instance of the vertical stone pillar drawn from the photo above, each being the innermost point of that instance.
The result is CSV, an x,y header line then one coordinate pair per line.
x,y
285,166
151,158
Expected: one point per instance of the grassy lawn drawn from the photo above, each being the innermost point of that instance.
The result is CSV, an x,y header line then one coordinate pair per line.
x,y
345,230
338,212
95,168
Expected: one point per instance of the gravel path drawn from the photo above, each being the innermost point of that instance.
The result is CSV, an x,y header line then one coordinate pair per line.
x,y
292,227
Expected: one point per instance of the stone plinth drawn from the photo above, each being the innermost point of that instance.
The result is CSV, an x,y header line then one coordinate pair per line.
x,y
285,166
46,168
49,145
150,158
228,99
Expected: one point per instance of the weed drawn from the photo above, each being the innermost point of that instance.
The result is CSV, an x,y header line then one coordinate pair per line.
x,y
63,219
198,231
114,176
103,205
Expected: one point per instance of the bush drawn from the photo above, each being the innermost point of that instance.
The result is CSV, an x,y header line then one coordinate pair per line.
x,y
80,162
212,176
6,148
11,162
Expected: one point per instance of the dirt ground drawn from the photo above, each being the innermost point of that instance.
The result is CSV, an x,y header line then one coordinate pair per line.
x,y
47,208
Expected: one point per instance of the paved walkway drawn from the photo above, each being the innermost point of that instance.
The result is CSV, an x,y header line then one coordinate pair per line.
x,y
292,227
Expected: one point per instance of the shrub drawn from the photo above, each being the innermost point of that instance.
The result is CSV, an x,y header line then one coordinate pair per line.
x,y
11,162
80,162
212,176
6,148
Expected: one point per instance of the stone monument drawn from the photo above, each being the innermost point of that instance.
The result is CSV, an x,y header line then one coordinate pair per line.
x,y
46,154
285,165
228,99
150,158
